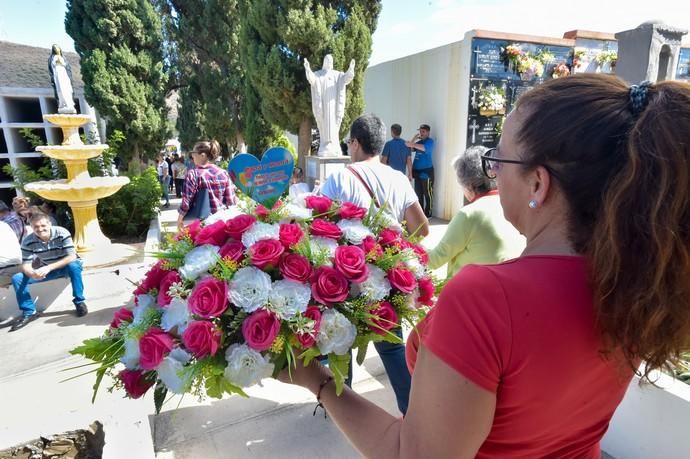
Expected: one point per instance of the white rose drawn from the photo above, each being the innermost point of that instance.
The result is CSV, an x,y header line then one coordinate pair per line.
x,y
198,261
144,302
336,333
223,215
131,357
170,372
180,355
246,366
260,231
176,315
413,264
354,230
297,212
376,286
319,243
288,297
249,288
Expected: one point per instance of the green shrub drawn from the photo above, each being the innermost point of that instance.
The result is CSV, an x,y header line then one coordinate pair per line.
x,y
129,211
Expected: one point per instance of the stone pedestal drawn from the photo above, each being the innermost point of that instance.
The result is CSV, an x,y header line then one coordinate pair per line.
x,y
318,168
648,52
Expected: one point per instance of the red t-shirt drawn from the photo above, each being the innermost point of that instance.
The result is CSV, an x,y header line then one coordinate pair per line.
x,y
525,330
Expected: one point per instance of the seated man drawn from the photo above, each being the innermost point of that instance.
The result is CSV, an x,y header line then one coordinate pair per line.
x,y
50,249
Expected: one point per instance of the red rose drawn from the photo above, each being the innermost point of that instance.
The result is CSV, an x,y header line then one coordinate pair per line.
x,y
163,298
320,227
309,339
295,267
320,204
153,347
235,227
201,338
135,383
290,234
213,234
385,318
209,298
349,210
266,254
421,251
328,286
192,230
402,279
261,211
233,250
388,237
152,279
260,329
426,291
121,315
369,244
351,262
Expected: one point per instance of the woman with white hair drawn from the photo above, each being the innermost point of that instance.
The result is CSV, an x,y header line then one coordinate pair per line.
x,y
479,233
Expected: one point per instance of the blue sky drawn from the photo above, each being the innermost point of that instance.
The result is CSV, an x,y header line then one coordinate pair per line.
x,y
409,26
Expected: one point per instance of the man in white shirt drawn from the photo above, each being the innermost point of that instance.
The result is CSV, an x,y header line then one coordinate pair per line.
x,y
367,180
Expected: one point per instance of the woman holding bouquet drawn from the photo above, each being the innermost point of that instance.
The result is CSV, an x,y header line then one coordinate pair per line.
x,y
531,357
207,187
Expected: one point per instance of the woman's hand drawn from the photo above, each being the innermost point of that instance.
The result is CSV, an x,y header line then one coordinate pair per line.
x,y
309,377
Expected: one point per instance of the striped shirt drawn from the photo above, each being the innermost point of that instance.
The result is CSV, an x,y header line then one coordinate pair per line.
x,y
56,248
15,223
221,191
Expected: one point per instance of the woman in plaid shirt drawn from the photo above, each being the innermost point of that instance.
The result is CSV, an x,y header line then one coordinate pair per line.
x,y
206,177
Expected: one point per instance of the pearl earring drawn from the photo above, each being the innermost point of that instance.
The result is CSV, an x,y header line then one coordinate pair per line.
x,y
532,204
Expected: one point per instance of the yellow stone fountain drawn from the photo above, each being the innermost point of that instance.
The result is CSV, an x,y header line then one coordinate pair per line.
x,y
81,191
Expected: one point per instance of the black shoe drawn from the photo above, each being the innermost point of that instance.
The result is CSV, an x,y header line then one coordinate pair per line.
x,y
82,310
24,321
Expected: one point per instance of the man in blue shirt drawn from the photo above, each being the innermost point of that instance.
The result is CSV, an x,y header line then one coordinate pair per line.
x,y
396,154
423,167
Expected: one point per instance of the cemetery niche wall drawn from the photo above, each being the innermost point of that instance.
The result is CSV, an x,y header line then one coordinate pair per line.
x,y
683,69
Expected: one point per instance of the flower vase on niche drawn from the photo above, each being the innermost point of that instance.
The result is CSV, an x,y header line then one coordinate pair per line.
x,y
492,101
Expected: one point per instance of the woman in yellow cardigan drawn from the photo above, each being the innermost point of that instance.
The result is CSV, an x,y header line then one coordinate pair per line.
x,y
479,233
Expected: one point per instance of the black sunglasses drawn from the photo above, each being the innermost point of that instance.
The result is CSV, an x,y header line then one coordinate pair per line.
x,y
491,164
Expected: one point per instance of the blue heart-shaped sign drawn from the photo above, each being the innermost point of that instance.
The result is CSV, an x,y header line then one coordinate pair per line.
x,y
263,181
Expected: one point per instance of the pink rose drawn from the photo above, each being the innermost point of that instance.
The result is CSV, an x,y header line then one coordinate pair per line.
x,y
388,237
201,338
402,279
296,267
350,261
192,230
213,234
307,340
385,318
152,279
266,254
209,298
153,347
233,250
426,291
320,227
320,204
328,286
164,298
261,211
421,251
370,245
121,315
351,211
235,227
290,234
135,383
260,329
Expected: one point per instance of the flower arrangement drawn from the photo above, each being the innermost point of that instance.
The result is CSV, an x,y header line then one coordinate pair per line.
x,y
491,101
607,57
545,57
253,289
530,67
524,63
560,70
576,55
510,55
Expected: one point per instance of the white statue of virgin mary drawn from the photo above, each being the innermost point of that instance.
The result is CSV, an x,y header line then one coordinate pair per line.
x,y
328,102
58,66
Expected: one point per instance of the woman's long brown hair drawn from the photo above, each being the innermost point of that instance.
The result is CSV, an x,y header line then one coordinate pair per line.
x,y
626,178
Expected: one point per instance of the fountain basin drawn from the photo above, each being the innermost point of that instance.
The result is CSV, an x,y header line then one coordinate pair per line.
x,y
88,189
72,152
70,126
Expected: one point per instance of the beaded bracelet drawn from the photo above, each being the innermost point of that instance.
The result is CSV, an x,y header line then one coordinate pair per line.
x,y
318,397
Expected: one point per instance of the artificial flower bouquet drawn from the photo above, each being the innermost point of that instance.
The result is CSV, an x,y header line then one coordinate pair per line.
x,y
492,101
253,290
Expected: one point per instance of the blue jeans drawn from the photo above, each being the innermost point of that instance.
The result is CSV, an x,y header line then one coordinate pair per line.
x,y
165,185
21,282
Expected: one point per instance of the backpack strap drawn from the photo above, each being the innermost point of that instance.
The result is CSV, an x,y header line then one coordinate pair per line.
x,y
366,185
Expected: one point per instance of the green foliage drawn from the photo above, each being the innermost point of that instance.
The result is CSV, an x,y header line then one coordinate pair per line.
x,y
282,141
275,38
130,210
31,137
120,46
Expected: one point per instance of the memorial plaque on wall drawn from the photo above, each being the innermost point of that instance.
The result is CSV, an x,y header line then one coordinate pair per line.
x,y
486,59
483,130
683,69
